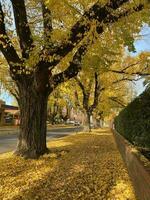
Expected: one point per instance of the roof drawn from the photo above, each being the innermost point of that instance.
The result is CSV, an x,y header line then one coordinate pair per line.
x,y
9,107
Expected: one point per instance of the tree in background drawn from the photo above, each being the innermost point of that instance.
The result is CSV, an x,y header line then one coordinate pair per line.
x,y
90,88
61,102
102,94
35,56
97,76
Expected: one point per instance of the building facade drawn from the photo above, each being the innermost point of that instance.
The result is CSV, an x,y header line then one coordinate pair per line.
x,y
9,115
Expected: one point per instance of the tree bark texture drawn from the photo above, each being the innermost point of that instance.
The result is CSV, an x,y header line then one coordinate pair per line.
x,y
33,115
89,121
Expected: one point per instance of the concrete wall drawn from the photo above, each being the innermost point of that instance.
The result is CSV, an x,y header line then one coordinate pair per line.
x,y
138,167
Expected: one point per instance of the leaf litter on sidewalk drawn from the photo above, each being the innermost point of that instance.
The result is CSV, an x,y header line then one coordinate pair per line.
x,y
84,166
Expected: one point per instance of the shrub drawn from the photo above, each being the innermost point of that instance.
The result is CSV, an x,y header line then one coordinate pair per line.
x,y
134,121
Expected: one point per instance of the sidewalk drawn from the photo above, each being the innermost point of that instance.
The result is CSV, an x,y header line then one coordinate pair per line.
x,y
80,167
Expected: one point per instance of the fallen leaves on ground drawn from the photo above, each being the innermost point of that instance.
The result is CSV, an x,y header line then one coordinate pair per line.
x,y
85,166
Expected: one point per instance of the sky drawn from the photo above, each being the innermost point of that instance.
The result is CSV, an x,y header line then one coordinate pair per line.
x,y
7,98
143,44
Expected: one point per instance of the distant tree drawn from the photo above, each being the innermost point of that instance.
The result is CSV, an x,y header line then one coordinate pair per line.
x,y
92,88
60,103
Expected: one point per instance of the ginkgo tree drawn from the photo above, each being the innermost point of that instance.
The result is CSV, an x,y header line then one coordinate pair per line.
x,y
95,76
34,57
100,93
61,101
91,89
113,99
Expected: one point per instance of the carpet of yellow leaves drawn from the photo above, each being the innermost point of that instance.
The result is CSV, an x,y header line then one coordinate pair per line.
x,y
79,167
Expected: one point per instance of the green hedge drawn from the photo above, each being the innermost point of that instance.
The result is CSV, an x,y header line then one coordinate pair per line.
x,y
134,121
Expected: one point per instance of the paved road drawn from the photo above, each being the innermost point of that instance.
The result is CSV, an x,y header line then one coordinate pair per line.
x,y
8,141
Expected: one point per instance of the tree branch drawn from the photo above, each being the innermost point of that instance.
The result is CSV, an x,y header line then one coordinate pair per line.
x,y
86,94
124,79
15,94
97,91
47,23
7,48
116,100
131,65
22,26
103,15
80,84
72,70
129,73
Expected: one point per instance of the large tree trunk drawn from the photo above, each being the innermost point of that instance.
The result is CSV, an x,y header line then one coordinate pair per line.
x,y
87,126
33,114
89,120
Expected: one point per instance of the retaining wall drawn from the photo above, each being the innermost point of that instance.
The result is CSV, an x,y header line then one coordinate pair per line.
x,y
138,167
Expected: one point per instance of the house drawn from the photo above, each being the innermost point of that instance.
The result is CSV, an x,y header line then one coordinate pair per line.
x,y
9,115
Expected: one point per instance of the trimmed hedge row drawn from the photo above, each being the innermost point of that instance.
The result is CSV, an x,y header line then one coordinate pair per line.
x,y
134,121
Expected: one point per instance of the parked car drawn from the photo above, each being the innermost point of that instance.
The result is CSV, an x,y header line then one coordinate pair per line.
x,y
70,122
77,123
8,119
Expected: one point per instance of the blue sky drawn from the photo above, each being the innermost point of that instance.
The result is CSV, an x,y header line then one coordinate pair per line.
x,y
7,97
143,44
